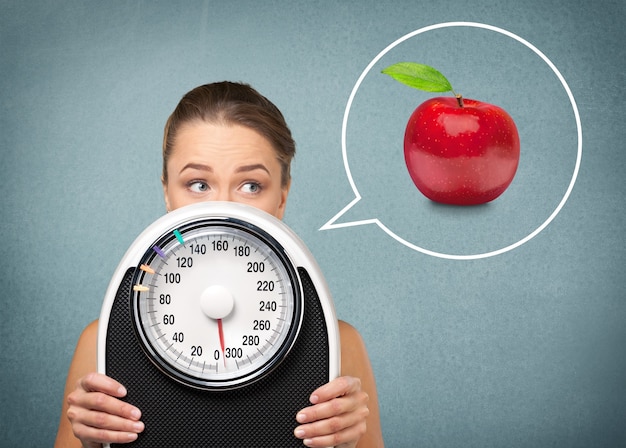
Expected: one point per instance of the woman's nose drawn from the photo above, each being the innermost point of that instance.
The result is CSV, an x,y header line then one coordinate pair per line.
x,y
223,194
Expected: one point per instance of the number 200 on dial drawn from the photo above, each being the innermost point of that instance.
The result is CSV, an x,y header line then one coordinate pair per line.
x,y
216,304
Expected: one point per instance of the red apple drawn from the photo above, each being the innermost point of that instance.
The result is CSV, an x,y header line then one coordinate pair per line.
x,y
461,151
458,151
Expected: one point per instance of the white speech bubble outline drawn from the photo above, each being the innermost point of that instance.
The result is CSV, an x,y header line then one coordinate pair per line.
x,y
331,223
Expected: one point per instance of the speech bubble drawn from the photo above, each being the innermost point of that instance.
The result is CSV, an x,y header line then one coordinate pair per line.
x,y
333,222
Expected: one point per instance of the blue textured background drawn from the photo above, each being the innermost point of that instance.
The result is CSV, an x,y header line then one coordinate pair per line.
x,y
524,349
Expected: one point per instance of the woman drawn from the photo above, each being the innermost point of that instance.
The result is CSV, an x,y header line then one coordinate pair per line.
x,y
225,141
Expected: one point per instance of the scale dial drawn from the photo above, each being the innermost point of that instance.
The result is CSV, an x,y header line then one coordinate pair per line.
x,y
216,302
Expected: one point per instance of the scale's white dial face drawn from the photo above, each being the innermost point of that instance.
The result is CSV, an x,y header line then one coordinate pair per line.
x,y
216,303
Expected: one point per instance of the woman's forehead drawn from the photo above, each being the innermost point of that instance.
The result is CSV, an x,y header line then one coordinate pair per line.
x,y
232,144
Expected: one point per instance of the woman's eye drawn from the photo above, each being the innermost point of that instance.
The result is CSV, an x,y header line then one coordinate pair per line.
x,y
198,187
251,187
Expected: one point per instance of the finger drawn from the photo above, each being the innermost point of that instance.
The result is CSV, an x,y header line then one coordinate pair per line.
x,y
105,421
97,382
335,388
102,403
354,402
99,435
334,415
325,410
346,437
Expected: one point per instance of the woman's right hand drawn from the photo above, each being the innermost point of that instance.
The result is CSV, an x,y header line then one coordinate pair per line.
x,y
97,414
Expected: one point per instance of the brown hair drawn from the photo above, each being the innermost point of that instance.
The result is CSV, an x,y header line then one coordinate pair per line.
x,y
232,103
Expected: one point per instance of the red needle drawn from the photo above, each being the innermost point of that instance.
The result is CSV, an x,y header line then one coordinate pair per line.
x,y
221,330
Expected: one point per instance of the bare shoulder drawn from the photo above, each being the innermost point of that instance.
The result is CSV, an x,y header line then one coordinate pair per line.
x,y
355,362
354,358
347,330
83,362
89,334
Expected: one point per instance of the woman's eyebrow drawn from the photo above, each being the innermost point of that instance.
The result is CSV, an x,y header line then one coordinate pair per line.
x,y
197,166
256,166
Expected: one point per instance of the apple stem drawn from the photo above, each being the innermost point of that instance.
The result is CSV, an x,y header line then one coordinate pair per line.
x,y
459,99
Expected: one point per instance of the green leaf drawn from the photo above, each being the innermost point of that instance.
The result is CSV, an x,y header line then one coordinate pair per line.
x,y
418,76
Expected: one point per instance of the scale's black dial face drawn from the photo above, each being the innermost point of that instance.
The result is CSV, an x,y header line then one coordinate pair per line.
x,y
216,303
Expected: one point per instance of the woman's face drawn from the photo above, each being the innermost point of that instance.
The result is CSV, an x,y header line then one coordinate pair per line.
x,y
216,162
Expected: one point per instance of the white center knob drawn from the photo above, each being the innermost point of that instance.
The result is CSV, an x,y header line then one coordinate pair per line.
x,y
217,302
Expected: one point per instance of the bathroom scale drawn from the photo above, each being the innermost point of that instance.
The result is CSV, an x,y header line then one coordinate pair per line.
x,y
220,324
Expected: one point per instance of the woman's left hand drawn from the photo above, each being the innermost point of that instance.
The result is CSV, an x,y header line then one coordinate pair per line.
x,y
337,416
